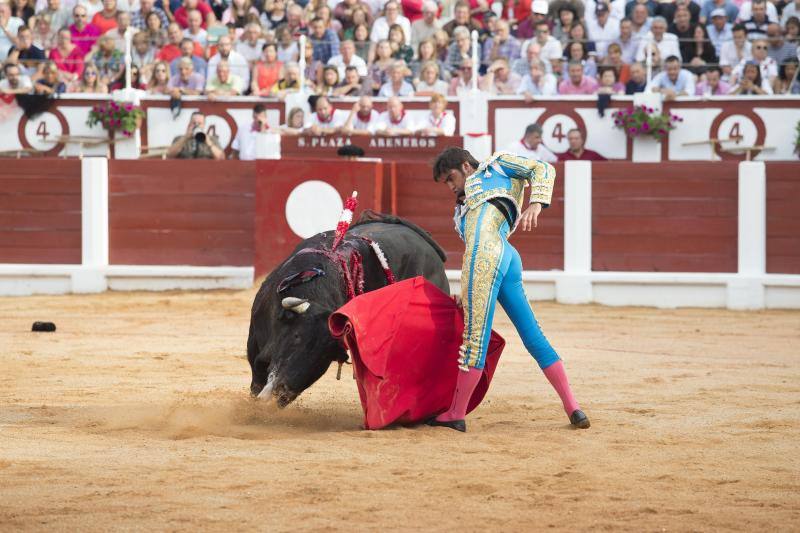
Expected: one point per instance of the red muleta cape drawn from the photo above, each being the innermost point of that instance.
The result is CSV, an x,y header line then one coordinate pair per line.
x,y
404,341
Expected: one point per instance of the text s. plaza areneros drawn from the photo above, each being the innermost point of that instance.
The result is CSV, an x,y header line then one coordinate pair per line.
x,y
335,141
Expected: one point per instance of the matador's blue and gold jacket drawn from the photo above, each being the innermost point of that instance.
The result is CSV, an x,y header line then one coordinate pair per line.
x,y
505,176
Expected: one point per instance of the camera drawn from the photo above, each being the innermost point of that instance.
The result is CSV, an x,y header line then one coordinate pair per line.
x,y
199,136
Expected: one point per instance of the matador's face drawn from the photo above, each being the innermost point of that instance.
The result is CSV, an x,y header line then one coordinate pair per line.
x,y
455,178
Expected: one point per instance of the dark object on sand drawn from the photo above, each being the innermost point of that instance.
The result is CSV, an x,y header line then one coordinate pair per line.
x,y
43,326
350,150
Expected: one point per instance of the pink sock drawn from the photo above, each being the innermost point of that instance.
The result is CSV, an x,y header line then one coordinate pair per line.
x,y
465,385
557,377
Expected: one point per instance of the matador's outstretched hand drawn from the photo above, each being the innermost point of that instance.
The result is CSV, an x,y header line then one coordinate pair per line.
x,y
530,217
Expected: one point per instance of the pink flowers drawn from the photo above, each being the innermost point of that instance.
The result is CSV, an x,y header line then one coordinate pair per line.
x,y
114,116
644,120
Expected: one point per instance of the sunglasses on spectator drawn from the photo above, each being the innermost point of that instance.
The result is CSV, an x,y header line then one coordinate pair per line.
x,y
761,47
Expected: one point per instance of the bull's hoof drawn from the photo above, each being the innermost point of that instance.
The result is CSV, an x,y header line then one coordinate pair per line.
x,y
579,420
458,425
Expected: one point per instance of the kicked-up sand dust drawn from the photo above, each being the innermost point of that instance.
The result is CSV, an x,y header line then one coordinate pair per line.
x,y
135,415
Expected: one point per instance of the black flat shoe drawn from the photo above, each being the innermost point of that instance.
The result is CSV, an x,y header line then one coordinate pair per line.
x,y
579,420
458,425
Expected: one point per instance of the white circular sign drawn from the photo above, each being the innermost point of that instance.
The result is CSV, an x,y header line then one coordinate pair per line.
x,y
312,207
554,132
737,130
216,125
43,131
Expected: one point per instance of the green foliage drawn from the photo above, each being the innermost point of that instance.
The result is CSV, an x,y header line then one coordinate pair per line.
x,y
116,116
643,120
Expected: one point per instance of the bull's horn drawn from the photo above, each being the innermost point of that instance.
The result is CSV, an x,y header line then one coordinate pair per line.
x,y
298,305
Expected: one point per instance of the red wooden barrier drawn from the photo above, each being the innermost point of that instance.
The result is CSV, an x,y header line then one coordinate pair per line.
x,y
783,218
431,204
665,217
40,211
274,239
181,212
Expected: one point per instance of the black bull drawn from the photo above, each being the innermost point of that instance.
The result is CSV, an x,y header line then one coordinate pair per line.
x,y
289,346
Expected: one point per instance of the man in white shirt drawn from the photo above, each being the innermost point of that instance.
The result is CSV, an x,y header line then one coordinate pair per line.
x,y
363,119
439,121
767,65
537,82
15,82
549,47
640,23
118,33
603,30
395,120
746,11
10,27
244,144
667,43
615,7
239,65
673,81
347,58
326,119
251,44
531,145
719,29
380,28
427,26
195,30
735,51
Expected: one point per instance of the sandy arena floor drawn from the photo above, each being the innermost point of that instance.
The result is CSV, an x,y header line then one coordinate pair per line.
x,y
135,416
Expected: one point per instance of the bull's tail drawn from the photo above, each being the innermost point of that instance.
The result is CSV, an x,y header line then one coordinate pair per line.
x,y
368,216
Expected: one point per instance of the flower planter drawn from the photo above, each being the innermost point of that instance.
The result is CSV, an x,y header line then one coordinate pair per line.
x,y
646,149
127,147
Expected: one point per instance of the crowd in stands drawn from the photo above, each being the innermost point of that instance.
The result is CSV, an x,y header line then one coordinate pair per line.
x,y
399,48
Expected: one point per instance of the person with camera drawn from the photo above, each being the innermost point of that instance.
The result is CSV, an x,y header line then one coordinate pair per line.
x,y
195,143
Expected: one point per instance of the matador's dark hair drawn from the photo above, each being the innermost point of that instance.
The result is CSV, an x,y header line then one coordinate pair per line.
x,y
451,158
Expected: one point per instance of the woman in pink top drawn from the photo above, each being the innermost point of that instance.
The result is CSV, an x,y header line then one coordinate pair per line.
x,y
67,56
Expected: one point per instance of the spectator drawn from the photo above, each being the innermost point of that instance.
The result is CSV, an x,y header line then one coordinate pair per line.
x,y
751,82
363,119
501,44
380,29
199,64
106,19
461,17
266,72
361,41
346,13
287,48
527,27
439,121
667,43
549,47
93,7
324,12
787,81
522,65
640,22
47,82
725,8
137,82
426,53
15,82
578,34
499,79
604,29
779,50
793,31
156,32
142,53
425,27
83,35
395,120
537,82
683,29
313,71
194,29
324,41
118,33
429,82
139,17
397,40
352,85
397,85
616,8
108,60
531,145
700,53
9,27
669,8
196,143
577,151
713,84
638,80
29,57
791,9
756,25
89,82
567,16
275,14
330,81
290,82
67,57
187,81
236,62
159,82
609,84
460,52
377,73
442,42
59,16
348,58
239,12
461,84
43,35
251,44
326,119
244,144
614,59
736,51
767,65
23,9
719,30
674,81
172,50
295,122
224,83
746,11
295,21
577,53
628,45
181,15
